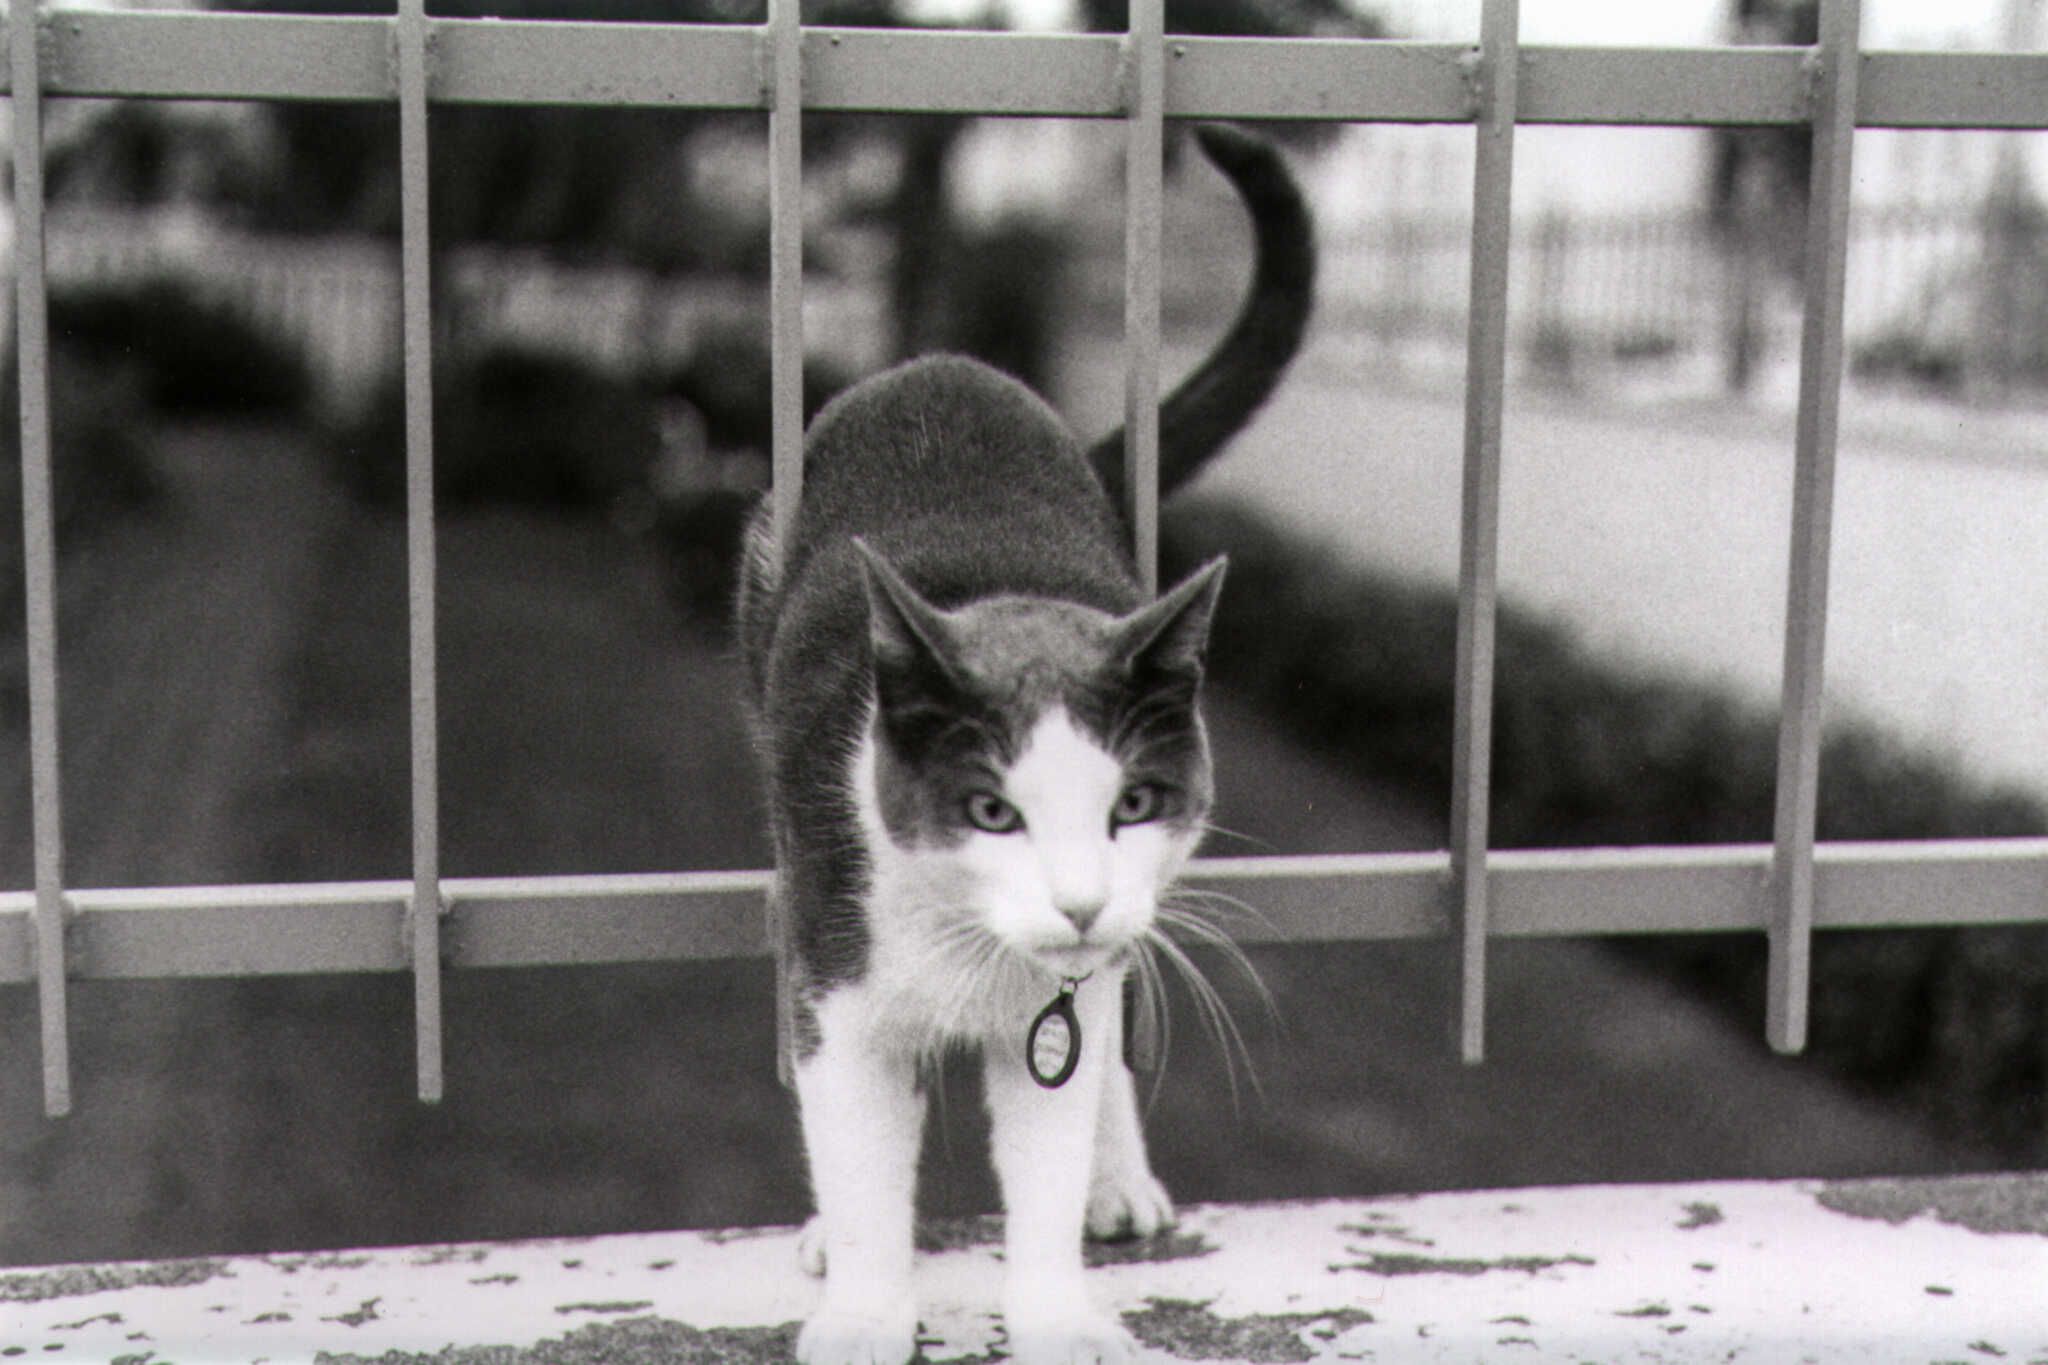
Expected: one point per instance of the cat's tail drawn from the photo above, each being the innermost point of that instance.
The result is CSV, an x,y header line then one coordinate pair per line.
x,y
1214,402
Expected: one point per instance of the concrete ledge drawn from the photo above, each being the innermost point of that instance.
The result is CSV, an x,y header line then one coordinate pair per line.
x,y
1921,1271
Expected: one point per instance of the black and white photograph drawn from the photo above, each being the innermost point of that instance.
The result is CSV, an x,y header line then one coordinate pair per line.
x,y
1064,681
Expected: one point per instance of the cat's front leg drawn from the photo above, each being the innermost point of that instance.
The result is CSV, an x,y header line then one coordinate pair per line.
x,y
863,1118
1043,1143
1125,1199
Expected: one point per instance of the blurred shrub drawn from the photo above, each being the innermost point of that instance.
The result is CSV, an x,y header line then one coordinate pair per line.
x,y
1643,344
1953,1023
725,378
700,536
191,355
100,466
992,295
1002,298
725,381
100,471
1361,666
1912,357
513,425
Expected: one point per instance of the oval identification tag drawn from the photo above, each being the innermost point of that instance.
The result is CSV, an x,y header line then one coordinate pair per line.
x,y
1052,1049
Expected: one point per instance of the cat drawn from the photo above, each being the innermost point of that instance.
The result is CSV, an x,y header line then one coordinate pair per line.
x,y
985,762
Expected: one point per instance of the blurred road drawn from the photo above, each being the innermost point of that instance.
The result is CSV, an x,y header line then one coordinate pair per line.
x,y
234,701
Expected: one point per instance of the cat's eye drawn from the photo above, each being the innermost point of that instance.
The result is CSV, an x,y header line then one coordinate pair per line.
x,y
1139,803
989,812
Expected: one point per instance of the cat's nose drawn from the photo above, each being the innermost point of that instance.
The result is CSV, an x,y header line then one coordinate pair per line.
x,y
1081,911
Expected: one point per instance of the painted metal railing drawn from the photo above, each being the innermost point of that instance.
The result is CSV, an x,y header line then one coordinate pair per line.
x,y
428,925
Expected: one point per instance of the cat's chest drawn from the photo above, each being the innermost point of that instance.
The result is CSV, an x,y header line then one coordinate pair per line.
x,y
933,976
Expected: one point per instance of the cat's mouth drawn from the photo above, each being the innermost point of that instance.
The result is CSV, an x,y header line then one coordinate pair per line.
x,y
1078,959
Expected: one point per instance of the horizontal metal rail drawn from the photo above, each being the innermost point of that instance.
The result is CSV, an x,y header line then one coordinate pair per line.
x,y
156,55
214,931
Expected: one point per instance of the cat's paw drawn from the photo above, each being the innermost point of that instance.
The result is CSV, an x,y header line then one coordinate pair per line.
x,y
1132,1207
839,1337
810,1248
1070,1338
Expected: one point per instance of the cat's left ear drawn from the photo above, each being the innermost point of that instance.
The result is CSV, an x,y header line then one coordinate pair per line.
x,y
905,630
1171,635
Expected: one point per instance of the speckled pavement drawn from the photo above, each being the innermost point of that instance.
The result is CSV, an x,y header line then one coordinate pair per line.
x,y
1941,1270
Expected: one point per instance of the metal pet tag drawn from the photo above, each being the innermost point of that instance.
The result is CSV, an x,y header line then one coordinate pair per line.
x,y
1052,1049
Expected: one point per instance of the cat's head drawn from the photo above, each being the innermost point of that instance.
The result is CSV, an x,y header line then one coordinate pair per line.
x,y
1040,766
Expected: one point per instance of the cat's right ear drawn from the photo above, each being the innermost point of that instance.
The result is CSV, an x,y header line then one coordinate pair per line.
x,y
1169,636
908,634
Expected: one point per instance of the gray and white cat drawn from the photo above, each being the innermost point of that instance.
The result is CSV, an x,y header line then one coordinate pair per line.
x,y
985,764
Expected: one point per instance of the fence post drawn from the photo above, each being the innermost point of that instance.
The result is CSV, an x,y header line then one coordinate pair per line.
x,y
783,56
416,295
39,554
1144,213
1479,536
1806,604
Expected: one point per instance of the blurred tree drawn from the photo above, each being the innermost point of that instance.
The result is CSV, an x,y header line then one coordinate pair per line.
x,y
621,184
1782,157
134,153
1757,189
632,185
583,180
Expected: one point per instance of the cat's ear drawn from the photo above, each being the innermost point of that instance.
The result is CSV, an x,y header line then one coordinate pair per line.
x,y
1170,635
907,632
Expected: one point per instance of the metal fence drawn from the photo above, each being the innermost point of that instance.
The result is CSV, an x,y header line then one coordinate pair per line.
x,y
427,924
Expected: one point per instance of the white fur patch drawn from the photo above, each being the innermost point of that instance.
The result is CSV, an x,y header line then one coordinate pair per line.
x,y
969,941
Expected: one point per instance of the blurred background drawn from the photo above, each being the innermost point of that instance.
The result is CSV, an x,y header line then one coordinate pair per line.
x,y
233,631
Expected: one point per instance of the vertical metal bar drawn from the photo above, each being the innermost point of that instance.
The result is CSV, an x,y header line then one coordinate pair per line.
x,y
417,304
1144,212
1820,384
1144,230
786,258
784,62
1479,544
39,553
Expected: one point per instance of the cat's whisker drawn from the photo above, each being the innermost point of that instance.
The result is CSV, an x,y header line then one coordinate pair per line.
x,y
1196,919
1208,997
1217,1020
985,964
1214,1012
1208,918
1221,902
1153,1002
1210,827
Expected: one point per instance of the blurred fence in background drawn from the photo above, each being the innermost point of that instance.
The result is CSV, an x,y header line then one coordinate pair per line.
x,y
1948,295
338,296
1953,297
